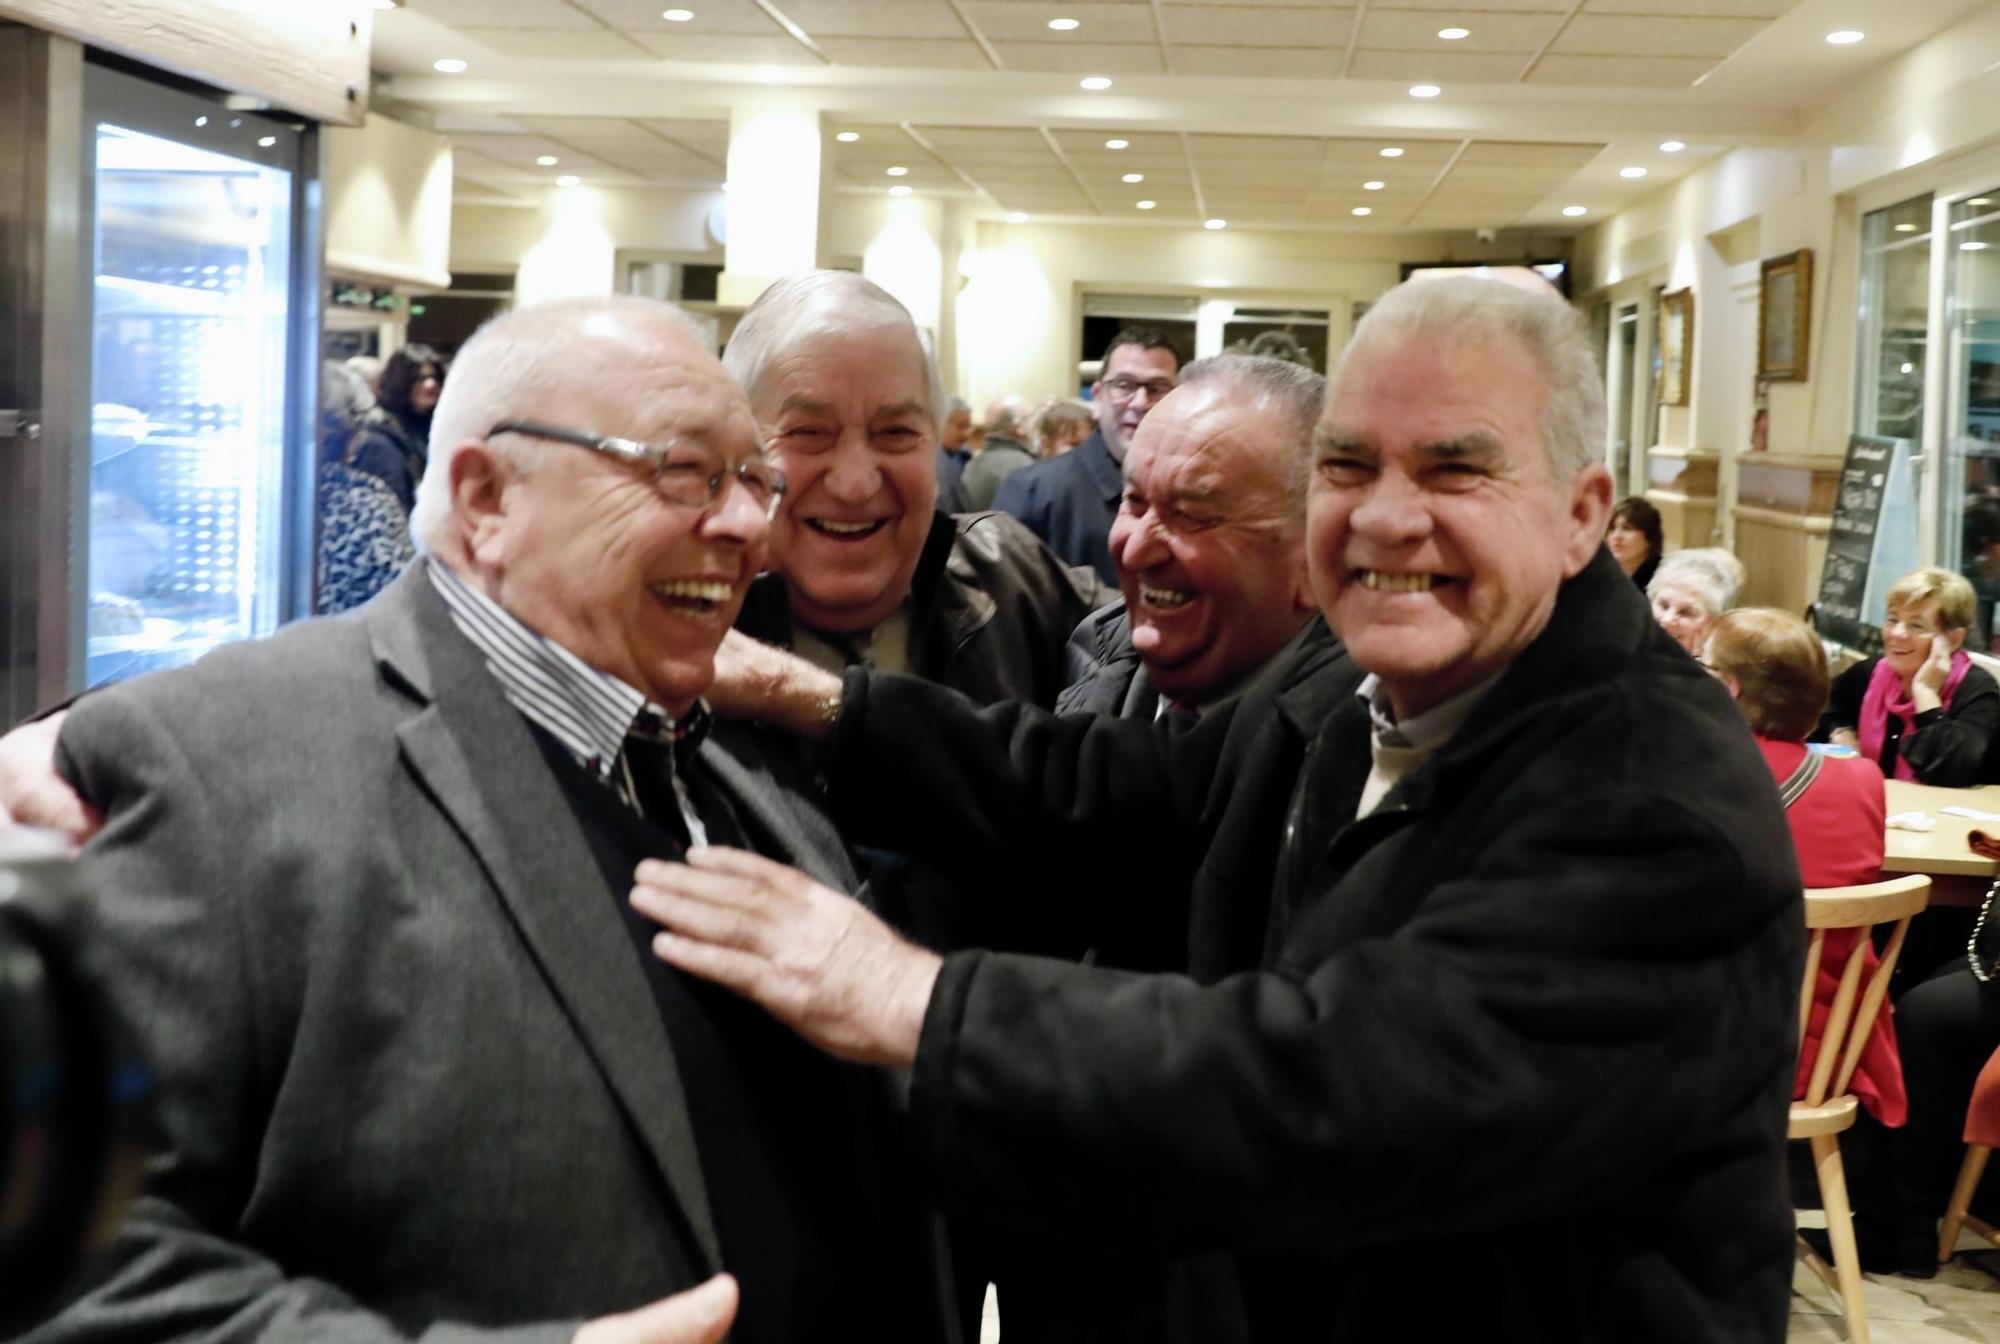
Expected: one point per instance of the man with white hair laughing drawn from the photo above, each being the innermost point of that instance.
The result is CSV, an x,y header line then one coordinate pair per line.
x,y
362,898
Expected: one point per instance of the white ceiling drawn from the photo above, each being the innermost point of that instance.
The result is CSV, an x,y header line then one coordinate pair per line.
x,y
1268,114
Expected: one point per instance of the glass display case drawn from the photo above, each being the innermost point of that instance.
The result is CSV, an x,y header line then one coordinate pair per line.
x,y
189,330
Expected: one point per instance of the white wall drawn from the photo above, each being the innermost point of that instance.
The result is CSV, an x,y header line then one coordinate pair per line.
x,y
388,203
1906,128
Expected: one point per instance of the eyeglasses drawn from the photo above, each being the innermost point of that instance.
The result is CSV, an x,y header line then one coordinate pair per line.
x,y
1124,388
683,476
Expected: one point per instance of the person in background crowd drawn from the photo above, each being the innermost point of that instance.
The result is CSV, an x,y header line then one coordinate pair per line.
x,y
1003,455
1920,708
395,445
1069,501
1635,540
954,453
364,529
1689,590
1775,669
1453,928
1209,543
362,899
1060,426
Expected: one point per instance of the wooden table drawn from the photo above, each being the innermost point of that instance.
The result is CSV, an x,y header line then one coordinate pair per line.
x,y
1960,877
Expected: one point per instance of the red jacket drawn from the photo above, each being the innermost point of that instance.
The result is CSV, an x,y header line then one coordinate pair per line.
x,y
1838,833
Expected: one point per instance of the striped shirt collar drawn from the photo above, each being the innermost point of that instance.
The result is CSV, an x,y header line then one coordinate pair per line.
x,y
590,712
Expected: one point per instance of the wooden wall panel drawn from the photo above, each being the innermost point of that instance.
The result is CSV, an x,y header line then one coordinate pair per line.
x,y
305,56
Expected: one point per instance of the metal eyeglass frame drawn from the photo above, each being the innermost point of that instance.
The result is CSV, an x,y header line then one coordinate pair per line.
x,y
756,476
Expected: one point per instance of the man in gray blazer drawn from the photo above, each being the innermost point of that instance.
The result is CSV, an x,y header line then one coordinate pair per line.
x,y
364,902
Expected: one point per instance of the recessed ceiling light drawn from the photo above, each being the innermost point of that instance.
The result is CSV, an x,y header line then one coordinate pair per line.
x,y
1360,210
385,4
546,161
201,121
1063,25
899,191
1095,83
1425,90
1147,205
1671,146
1574,210
1116,144
899,171
568,180
1017,217
1906,228
1134,177
1846,37
1392,152
1454,34
848,137
1631,172
266,141
1372,186
1215,223
677,15
1974,246
450,65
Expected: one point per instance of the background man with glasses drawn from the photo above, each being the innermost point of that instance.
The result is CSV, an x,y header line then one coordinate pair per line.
x,y
1069,501
363,900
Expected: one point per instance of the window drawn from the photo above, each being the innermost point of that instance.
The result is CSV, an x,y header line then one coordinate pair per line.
x,y
1970,487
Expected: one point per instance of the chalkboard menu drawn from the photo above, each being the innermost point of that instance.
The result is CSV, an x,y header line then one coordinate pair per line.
x,y
1873,541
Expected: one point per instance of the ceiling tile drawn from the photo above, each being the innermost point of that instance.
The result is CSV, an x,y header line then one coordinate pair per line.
x,y
601,128
1459,7
1082,58
1411,30
706,47
710,138
962,54
1293,149
596,44
1619,35
452,121
1490,153
1368,152
1030,23
984,139
877,18
503,13
710,16
1457,67
1260,62
1724,9
1224,26
1621,72
1141,142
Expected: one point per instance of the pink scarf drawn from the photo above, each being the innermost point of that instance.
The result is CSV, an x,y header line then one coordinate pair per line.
x,y
1885,696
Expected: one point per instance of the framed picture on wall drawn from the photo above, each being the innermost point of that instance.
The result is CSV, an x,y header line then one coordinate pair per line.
x,y
1784,317
1676,346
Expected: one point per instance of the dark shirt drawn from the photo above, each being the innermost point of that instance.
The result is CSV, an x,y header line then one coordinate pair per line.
x,y
775,1121
1069,502
1947,747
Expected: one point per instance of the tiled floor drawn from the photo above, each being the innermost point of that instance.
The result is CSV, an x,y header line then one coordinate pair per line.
x,y
1960,1304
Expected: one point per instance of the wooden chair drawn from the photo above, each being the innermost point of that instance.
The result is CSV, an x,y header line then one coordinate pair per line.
x,y
1828,1108
1982,1136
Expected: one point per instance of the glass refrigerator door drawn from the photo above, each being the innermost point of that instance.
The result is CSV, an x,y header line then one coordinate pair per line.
x,y
191,288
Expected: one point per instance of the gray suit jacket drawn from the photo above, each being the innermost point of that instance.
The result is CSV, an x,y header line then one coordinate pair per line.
x,y
412,1081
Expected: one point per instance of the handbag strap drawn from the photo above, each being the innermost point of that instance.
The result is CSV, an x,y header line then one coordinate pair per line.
x,y
1801,779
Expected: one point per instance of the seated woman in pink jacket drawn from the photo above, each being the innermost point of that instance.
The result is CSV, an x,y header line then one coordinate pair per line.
x,y
1773,665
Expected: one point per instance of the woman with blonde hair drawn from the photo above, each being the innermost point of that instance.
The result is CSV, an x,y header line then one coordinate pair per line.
x,y
1920,709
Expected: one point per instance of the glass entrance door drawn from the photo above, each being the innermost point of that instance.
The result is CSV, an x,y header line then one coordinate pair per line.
x,y
193,227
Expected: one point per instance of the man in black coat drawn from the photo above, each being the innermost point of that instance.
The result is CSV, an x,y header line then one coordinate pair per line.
x,y
1493,933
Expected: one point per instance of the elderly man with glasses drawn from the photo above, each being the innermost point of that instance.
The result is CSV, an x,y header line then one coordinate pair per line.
x,y
1069,501
362,897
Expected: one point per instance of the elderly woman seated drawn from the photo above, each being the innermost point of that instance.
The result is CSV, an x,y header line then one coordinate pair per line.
x,y
1690,589
1774,666
1920,709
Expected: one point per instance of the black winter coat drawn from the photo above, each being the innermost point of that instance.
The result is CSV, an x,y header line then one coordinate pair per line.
x,y
1532,1020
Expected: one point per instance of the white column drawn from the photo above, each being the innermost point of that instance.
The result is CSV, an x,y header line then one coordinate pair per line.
x,y
1209,320
776,168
